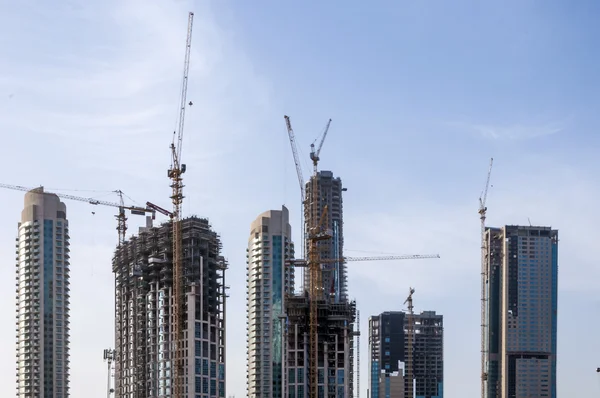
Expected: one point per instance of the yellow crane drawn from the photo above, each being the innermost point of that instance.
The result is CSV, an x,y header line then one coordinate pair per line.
x,y
410,336
121,216
318,232
175,173
484,285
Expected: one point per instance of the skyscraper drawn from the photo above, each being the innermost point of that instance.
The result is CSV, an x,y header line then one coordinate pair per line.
x,y
325,368
144,343
269,280
335,275
43,297
388,345
521,298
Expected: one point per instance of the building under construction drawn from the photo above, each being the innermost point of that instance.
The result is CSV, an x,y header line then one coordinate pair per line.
x,y
335,274
389,350
143,312
428,355
335,353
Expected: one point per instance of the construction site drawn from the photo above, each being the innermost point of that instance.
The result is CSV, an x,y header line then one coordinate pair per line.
x,y
323,326
400,122
144,338
170,295
335,348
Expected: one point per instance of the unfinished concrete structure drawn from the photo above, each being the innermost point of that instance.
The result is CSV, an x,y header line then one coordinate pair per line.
x,y
143,312
335,353
388,346
428,355
269,280
335,274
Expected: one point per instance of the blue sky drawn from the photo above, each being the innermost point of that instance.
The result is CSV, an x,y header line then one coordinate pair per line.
x,y
421,95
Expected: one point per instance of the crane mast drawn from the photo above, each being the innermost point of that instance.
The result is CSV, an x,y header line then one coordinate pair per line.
x,y
484,285
409,358
175,174
318,231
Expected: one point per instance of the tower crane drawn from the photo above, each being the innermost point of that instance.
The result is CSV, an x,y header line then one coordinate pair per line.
x,y
314,156
175,173
121,216
292,137
409,358
484,284
318,232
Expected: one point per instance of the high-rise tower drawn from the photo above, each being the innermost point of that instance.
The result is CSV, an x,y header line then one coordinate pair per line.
x,y
143,269
335,275
388,346
522,303
43,297
269,281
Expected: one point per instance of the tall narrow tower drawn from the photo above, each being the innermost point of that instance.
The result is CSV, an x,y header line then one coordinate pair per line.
x,y
335,276
43,297
522,303
269,281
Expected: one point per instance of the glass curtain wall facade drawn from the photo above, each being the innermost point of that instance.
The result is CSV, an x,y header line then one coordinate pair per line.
x,y
522,304
269,280
42,289
386,347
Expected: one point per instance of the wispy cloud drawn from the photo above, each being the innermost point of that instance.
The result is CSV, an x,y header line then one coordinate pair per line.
x,y
509,132
516,132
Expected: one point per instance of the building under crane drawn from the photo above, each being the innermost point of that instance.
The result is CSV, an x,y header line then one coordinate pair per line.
x,y
175,173
320,328
143,269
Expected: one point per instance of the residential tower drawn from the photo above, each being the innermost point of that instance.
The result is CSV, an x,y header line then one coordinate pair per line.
x,y
270,279
42,289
